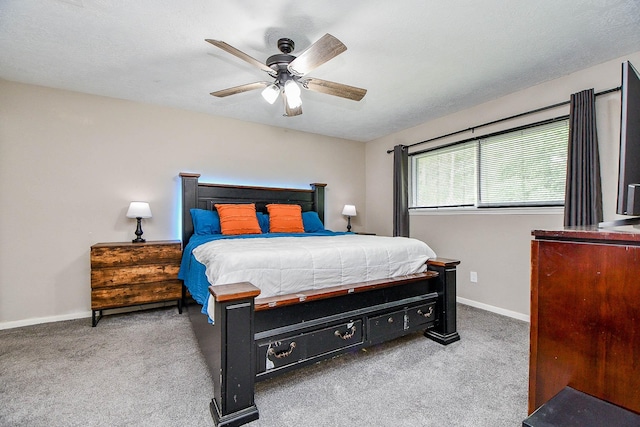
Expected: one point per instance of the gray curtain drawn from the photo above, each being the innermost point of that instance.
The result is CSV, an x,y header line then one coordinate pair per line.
x,y
583,193
401,191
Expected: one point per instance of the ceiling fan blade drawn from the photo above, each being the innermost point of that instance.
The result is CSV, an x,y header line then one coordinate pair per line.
x,y
288,111
332,88
326,48
239,54
239,89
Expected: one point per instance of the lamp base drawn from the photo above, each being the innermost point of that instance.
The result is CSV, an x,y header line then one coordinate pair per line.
x,y
139,238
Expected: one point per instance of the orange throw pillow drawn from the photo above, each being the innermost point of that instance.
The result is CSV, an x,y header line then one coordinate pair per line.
x,y
285,218
238,219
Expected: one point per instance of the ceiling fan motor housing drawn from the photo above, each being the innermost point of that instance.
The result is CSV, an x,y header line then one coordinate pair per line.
x,y
279,63
286,45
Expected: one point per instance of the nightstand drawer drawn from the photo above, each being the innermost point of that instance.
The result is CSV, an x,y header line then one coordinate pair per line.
x,y
122,296
122,254
106,277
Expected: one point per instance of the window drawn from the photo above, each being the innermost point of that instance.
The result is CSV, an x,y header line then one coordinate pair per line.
x,y
520,167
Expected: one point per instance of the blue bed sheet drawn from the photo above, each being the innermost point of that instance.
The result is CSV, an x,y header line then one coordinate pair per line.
x,y
192,272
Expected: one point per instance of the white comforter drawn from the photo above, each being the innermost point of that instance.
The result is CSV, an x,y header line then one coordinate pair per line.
x,y
286,265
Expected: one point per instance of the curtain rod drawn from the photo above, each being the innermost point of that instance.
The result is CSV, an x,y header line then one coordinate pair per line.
x,y
537,110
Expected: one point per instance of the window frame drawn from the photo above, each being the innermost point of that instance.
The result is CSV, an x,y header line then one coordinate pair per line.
x,y
533,207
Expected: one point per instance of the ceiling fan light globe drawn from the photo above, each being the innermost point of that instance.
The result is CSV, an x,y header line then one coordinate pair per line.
x,y
292,90
270,93
294,101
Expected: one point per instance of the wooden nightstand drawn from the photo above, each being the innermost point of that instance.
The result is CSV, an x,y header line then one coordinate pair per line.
x,y
126,274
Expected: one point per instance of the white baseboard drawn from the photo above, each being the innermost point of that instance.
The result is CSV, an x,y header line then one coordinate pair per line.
x,y
81,315
494,309
87,314
40,320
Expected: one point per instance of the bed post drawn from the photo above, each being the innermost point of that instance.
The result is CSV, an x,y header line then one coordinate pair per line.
x,y
318,199
445,331
231,354
189,200
189,196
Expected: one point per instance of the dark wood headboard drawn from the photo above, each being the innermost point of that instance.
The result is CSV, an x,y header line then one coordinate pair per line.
x,y
205,196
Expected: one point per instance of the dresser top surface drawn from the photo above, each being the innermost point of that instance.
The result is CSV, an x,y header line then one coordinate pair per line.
x,y
626,234
135,245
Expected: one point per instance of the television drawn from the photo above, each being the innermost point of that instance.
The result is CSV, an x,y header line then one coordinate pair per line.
x,y
629,161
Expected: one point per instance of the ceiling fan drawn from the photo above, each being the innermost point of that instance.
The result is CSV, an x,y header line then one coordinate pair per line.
x,y
290,72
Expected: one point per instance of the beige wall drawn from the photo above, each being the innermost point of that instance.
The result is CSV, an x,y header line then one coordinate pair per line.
x,y
70,164
495,245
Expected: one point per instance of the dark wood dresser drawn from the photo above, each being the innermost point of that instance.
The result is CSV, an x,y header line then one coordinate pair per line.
x,y
585,315
126,274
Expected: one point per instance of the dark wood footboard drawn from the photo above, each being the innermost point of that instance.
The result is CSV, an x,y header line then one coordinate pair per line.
x,y
254,339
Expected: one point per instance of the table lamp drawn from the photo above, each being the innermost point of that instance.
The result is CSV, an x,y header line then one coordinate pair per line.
x,y
349,211
139,210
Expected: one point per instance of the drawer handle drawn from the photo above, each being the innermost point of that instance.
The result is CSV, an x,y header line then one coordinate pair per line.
x,y
428,314
348,334
283,353
390,320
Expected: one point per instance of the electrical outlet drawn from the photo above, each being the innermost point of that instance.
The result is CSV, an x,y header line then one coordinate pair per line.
x,y
474,277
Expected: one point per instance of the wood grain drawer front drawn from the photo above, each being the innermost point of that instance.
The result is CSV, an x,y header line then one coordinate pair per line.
x,y
117,276
135,254
122,296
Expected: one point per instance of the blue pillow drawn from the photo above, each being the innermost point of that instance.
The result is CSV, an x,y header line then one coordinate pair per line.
x,y
311,222
205,222
263,220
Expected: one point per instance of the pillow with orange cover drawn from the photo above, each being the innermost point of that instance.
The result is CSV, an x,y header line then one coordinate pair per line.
x,y
285,218
238,219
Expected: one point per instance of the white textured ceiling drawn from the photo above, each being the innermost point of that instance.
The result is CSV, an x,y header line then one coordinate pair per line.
x,y
418,59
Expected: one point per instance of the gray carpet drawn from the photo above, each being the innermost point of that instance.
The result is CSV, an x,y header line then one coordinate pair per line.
x,y
144,369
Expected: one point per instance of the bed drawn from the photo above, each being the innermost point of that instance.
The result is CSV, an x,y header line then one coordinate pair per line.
x,y
247,335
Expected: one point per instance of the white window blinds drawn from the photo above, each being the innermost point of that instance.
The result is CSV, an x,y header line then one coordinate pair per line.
x,y
524,167
446,177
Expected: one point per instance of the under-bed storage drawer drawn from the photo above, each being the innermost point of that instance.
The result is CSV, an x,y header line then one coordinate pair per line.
x,y
397,323
276,354
334,338
422,314
288,351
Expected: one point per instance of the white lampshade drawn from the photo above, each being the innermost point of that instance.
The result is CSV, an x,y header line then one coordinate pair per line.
x,y
349,210
292,90
139,210
270,93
